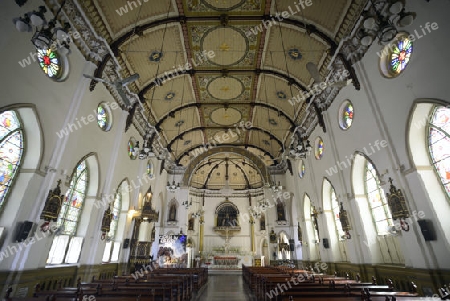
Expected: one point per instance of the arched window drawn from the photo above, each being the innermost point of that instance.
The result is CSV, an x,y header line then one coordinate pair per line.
x,y
262,222
11,150
68,219
377,200
335,207
439,144
74,199
318,148
115,211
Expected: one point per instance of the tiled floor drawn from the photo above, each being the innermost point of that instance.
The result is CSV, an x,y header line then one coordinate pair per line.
x,y
225,287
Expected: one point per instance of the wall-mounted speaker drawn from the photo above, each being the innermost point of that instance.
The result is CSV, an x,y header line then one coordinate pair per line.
x,y
291,245
427,228
23,230
326,243
126,243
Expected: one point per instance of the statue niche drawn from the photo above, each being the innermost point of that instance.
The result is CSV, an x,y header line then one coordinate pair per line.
x,y
172,215
262,222
281,215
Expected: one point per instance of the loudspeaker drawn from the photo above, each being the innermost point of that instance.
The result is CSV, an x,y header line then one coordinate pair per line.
x,y
126,243
427,228
23,230
325,242
291,245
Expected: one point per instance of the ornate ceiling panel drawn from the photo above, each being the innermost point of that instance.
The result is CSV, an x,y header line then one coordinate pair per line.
x,y
181,122
157,51
297,49
326,15
232,7
206,66
276,92
177,92
120,15
210,173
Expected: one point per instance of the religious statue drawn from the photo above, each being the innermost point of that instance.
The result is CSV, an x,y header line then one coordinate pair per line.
x,y
191,224
280,212
172,213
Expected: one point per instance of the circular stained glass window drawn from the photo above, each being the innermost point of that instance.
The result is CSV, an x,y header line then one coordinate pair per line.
x,y
104,117
52,64
301,168
132,153
319,148
396,55
346,115
150,170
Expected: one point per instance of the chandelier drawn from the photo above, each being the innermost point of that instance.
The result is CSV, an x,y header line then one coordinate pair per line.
x,y
381,21
187,204
146,151
173,187
226,190
46,35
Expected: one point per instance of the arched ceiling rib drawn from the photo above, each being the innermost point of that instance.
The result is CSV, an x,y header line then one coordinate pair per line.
x,y
252,78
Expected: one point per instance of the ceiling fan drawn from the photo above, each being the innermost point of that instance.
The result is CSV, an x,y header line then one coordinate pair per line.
x,y
118,84
315,74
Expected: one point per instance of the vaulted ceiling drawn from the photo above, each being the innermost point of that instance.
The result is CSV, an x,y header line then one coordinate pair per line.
x,y
256,63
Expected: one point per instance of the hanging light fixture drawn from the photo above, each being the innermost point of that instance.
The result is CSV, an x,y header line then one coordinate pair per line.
x,y
187,204
381,21
226,190
147,151
46,34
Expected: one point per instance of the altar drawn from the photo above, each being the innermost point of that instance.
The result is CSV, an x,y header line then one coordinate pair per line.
x,y
226,261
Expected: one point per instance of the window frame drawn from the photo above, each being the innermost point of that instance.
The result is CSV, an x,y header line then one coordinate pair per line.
x,y
12,181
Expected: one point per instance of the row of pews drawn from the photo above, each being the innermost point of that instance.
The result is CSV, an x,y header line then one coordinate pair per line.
x,y
174,284
290,284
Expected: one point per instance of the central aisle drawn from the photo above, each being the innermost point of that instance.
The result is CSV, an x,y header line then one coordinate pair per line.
x,y
225,286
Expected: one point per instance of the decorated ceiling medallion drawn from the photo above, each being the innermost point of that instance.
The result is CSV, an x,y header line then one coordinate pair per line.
x,y
265,142
179,123
169,96
281,95
294,54
229,44
51,63
272,121
187,142
225,116
225,88
229,136
155,56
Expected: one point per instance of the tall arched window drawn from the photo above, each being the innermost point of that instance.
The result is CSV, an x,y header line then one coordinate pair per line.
x,y
115,210
111,252
377,200
11,150
73,202
68,219
335,207
439,144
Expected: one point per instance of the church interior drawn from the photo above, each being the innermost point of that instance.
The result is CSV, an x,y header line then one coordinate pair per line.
x,y
215,149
